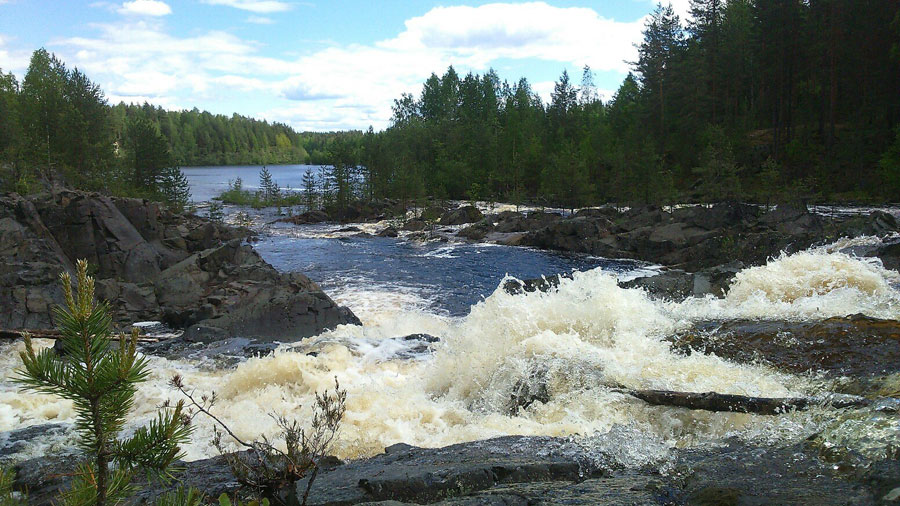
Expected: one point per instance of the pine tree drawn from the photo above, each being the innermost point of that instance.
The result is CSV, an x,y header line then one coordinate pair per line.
x,y
174,187
101,381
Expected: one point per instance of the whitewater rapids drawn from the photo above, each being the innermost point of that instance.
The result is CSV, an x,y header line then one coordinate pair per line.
x,y
576,342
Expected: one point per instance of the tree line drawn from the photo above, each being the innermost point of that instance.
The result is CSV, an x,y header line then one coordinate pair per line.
x,y
56,127
749,99
201,138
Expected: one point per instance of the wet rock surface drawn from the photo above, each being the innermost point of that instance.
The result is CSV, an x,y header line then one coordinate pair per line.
x,y
151,264
855,346
694,238
530,470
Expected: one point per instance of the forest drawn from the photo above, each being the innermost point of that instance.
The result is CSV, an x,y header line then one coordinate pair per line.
x,y
56,127
756,100
746,99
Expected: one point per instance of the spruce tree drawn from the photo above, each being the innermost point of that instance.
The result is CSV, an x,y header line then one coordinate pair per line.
x,y
101,381
309,189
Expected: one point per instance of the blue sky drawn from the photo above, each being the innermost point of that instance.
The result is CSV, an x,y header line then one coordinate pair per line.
x,y
317,65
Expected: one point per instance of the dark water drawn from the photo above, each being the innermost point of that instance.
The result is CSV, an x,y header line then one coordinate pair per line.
x,y
209,182
449,276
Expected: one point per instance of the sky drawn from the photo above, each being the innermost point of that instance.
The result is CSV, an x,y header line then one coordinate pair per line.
x,y
318,65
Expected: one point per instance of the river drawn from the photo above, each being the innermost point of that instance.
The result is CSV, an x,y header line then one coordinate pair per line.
x,y
576,343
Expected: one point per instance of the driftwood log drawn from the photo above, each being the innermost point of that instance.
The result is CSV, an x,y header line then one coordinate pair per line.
x,y
51,334
713,401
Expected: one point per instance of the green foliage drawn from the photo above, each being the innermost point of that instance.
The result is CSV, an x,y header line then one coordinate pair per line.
x,y
810,85
101,381
8,497
181,496
224,500
718,171
216,212
889,168
269,194
199,138
174,187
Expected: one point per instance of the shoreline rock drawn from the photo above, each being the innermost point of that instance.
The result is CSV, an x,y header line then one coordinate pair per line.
x,y
151,264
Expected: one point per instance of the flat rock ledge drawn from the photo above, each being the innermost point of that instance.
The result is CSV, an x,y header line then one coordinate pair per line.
x,y
518,470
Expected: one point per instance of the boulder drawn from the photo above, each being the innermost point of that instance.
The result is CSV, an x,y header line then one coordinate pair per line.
x,y
307,218
389,232
675,284
461,216
477,231
415,225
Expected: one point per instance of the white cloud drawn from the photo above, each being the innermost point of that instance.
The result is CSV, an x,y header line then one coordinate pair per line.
x,y
11,59
146,8
482,34
260,20
340,86
258,6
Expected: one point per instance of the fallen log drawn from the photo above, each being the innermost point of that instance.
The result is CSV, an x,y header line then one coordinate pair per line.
x,y
51,334
713,401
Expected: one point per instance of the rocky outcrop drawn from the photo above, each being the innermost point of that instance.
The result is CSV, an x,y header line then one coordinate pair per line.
x,y
857,346
697,237
519,470
151,264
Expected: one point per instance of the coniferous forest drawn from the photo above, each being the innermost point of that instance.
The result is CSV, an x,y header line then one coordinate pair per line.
x,y
746,99
760,100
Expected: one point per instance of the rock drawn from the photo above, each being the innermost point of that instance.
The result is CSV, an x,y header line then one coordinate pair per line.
x,y
461,216
876,223
856,346
307,217
33,439
518,222
349,229
408,474
678,285
150,264
389,232
741,474
542,284
432,213
476,232
523,470
415,225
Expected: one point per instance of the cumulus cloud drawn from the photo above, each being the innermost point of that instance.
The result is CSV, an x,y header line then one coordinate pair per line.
x,y
258,6
340,86
146,8
533,30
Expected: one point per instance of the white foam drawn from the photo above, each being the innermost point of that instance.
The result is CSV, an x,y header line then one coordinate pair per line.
x,y
572,345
